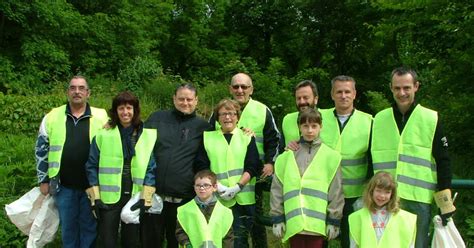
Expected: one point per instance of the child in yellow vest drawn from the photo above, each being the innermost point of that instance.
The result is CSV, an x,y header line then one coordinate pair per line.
x,y
381,223
306,194
204,221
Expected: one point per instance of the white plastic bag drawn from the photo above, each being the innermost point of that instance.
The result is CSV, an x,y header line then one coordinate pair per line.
x,y
45,224
133,217
156,205
23,211
128,216
446,236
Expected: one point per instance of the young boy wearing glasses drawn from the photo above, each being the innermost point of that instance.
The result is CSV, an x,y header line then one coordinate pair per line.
x,y
204,221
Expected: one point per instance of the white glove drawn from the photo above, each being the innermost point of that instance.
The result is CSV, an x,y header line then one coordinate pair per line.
x,y
221,188
279,230
332,232
230,193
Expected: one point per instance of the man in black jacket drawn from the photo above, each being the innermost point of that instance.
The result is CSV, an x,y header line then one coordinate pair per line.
x,y
408,141
179,136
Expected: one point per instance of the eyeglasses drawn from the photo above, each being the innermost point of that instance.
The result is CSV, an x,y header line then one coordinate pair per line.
x,y
242,86
230,114
202,186
80,88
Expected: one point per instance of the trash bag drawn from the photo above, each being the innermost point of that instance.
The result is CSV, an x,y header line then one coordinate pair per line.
x,y
45,225
156,205
35,215
23,211
133,217
128,216
446,236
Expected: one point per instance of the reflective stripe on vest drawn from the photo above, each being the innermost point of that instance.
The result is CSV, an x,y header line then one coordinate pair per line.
x,y
227,161
305,197
56,128
408,157
353,144
253,117
400,231
201,233
290,127
111,162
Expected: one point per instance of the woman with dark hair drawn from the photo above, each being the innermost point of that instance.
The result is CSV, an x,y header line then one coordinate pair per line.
x,y
120,165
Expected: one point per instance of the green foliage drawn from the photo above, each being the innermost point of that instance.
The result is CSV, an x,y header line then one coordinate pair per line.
x,y
22,114
142,70
210,95
17,170
377,101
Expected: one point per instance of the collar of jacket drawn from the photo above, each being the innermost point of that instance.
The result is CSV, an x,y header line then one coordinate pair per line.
x,y
182,116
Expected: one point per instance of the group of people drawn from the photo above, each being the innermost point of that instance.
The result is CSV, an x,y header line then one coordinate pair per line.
x,y
211,174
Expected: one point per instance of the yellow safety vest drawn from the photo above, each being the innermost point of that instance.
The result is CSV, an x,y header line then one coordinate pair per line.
x,y
290,127
353,144
408,157
56,128
400,231
253,117
201,233
227,161
305,198
111,162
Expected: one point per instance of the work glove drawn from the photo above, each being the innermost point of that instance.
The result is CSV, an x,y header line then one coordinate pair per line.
x,y
445,203
230,192
93,194
145,200
332,232
279,230
221,188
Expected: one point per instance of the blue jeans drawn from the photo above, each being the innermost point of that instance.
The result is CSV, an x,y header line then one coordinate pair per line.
x,y
78,225
423,220
244,216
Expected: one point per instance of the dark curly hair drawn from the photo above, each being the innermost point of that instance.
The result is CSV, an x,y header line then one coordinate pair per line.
x,y
121,99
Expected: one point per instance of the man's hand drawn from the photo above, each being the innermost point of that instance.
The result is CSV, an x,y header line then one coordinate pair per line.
x,y
230,192
267,170
248,131
293,146
107,126
445,203
279,230
44,188
332,232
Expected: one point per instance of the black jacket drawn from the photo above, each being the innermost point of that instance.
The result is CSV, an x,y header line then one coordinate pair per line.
x,y
179,137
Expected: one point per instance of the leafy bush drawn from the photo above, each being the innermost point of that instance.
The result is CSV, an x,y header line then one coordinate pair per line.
x,y
23,114
139,72
377,101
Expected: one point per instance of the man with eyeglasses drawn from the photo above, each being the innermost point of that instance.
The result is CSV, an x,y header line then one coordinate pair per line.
x,y
258,118
180,133
62,150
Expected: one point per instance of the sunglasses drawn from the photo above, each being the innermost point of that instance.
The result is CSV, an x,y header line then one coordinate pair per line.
x,y
242,86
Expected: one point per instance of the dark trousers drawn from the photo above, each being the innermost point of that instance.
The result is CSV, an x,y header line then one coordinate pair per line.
x,y
259,233
347,210
306,241
244,217
109,223
155,226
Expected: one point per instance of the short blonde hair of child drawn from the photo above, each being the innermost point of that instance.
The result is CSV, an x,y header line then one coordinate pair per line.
x,y
382,180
